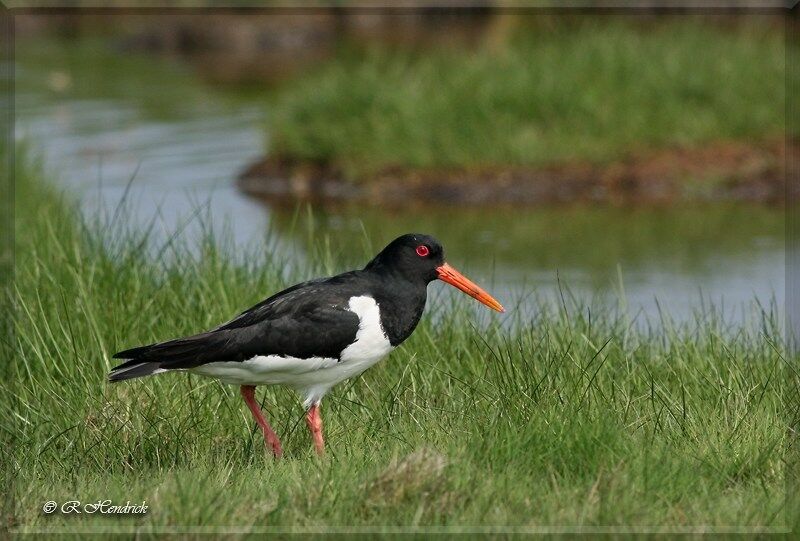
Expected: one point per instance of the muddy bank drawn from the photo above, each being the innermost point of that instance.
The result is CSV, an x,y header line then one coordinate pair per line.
x,y
722,171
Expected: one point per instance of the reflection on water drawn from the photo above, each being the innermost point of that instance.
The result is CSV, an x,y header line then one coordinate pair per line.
x,y
728,255
100,120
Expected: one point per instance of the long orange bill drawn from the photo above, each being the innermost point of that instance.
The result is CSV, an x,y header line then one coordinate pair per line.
x,y
454,278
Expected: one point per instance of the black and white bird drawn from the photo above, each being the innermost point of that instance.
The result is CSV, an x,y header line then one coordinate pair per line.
x,y
313,335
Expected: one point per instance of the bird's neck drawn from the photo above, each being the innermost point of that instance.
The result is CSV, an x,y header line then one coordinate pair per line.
x,y
401,304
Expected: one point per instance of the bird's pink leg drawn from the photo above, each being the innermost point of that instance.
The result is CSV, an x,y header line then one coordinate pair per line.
x,y
314,420
270,438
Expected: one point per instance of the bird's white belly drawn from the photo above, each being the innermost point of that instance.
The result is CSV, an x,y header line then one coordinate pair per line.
x,y
315,376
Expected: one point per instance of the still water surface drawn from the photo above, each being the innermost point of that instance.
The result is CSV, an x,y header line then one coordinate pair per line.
x,y
100,120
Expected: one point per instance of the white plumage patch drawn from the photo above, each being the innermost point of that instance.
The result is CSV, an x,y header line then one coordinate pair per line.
x,y
312,378
371,341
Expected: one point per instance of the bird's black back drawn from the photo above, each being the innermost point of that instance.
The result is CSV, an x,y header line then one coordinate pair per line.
x,y
311,319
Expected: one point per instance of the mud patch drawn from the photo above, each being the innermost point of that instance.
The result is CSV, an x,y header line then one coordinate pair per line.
x,y
734,171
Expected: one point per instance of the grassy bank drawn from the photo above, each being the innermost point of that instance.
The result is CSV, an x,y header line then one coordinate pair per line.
x,y
572,419
593,91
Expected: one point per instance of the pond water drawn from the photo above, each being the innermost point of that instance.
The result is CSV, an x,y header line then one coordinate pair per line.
x,y
100,119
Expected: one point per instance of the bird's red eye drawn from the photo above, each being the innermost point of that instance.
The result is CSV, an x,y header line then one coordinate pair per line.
x,y
422,250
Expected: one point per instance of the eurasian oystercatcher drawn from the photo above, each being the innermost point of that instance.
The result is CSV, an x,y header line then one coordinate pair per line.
x,y
313,335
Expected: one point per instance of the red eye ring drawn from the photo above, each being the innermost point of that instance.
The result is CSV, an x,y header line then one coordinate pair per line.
x,y
422,250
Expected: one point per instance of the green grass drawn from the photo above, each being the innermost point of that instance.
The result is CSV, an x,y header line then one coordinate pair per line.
x,y
572,419
594,90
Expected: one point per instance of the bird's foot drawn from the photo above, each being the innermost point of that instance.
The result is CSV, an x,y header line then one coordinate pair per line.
x,y
274,445
314,421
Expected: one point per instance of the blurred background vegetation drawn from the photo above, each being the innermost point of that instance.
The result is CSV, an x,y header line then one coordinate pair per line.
x,y
628,151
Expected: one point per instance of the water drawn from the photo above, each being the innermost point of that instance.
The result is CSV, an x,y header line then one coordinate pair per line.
x,y
153,131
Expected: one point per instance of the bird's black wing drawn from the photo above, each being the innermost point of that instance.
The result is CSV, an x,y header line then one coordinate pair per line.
x,y
279,303
311,319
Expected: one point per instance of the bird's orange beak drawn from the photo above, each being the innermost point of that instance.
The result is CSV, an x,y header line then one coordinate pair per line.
x,y
454,278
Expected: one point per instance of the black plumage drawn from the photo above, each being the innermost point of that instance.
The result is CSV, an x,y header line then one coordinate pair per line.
x,y
314,335
311,319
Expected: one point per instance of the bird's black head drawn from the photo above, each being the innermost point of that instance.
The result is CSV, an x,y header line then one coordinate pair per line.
x,y
419,259
415,257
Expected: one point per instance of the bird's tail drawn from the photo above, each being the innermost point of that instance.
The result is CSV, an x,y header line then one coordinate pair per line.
x,y
134,369
135,366
179,354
